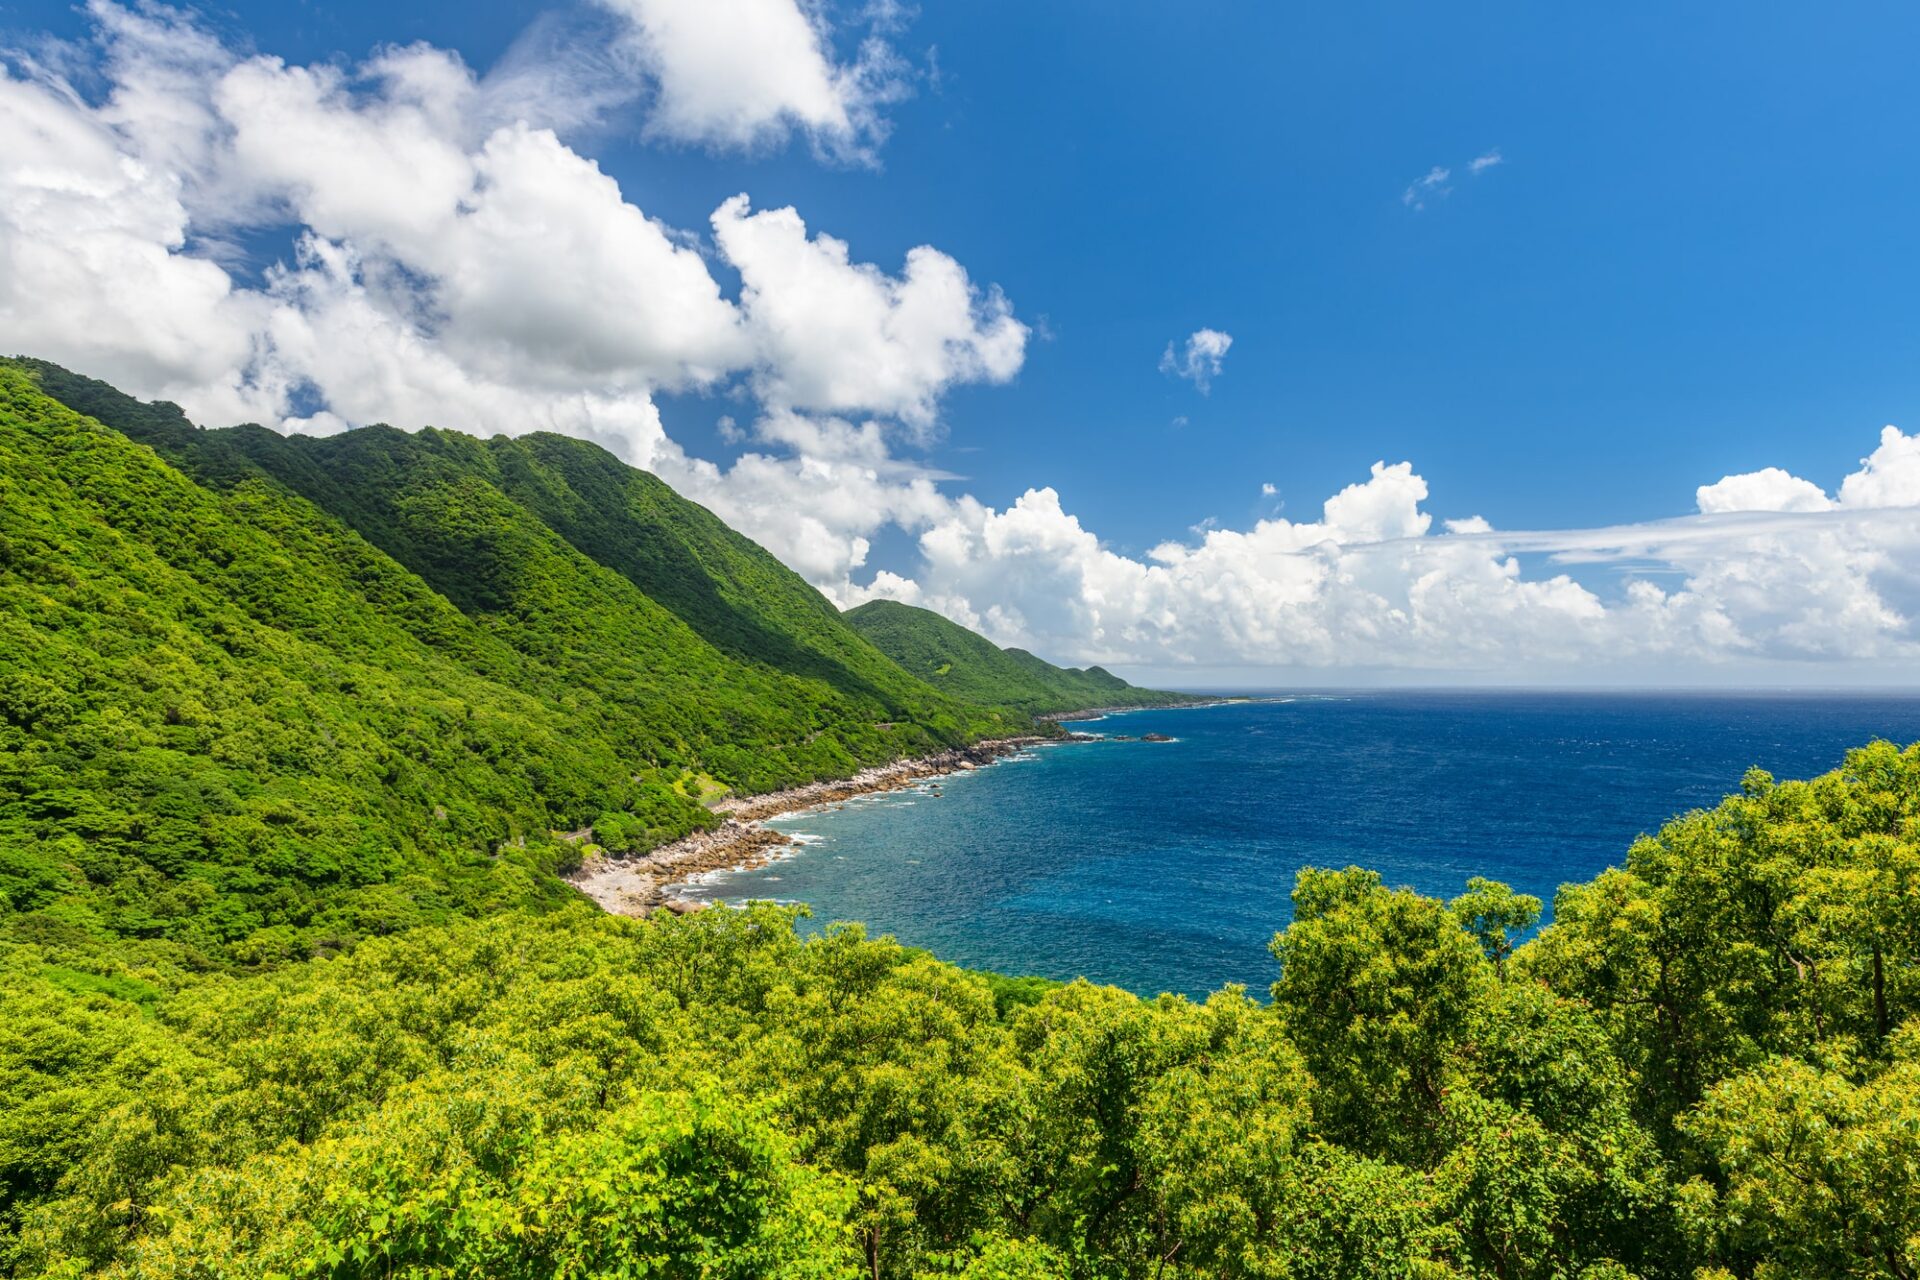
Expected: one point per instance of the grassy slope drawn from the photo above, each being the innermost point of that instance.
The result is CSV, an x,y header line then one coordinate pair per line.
x,y
316,689
972,668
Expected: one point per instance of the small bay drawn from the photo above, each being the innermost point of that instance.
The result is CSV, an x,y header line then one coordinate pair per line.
x,y
1167,865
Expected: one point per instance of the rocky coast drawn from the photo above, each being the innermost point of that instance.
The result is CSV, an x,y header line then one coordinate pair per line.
x,y
643,884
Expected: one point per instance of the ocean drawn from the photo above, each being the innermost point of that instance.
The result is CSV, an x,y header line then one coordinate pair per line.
x,y
1167,866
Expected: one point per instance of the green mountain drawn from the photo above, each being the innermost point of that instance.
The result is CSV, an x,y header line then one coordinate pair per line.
x,y
294,734
970,667
260,694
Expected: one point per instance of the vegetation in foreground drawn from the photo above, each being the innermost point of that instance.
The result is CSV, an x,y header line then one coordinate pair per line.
x,y
289,986
1708,1066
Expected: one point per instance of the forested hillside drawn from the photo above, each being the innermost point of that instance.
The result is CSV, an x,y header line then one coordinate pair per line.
x,y
293,735
971,667
397,490
262,695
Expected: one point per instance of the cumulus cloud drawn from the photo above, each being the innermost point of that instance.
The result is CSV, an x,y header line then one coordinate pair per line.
x,y
1889,476
1769,489
1762,575
839,336
1198,360
815,490
451,260
1485,161
745,73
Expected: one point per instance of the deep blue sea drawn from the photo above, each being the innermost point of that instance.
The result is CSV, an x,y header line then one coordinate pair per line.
x,y
1166,866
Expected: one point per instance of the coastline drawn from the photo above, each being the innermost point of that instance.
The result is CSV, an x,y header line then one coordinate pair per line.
x,y
643,883
1101,713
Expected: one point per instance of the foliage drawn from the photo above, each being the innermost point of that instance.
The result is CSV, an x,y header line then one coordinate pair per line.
x,y
1496,916
714,1095
1818,1169
293,737
1376,987
1786,921
233,723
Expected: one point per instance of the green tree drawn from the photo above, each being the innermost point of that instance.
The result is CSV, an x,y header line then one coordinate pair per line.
x,y
1495,916
1377,988
1784,921
1819,1176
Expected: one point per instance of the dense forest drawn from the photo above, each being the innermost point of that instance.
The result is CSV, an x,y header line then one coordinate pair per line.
x,y
295,736
259,696
966,665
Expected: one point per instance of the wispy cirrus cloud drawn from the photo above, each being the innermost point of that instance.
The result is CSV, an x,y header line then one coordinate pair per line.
x,y
1437,182
1430,185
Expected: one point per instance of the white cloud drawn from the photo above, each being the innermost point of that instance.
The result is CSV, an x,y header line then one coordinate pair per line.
x,y
1371,585
528,261
452,261
102,231
839,336
1889,476
1428,186
744,73
1432,185
1769,489
816,493
458,263
1200,359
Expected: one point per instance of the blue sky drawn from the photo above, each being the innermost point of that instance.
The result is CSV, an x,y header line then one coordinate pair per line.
x,y
1694,258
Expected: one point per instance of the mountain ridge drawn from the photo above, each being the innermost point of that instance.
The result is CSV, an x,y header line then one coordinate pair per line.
x,y
391,675
971,667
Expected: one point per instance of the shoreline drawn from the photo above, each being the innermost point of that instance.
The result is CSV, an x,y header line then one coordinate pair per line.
x,y
643,883
1101,713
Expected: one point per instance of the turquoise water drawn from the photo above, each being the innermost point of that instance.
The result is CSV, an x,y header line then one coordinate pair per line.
x,y
1166,866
